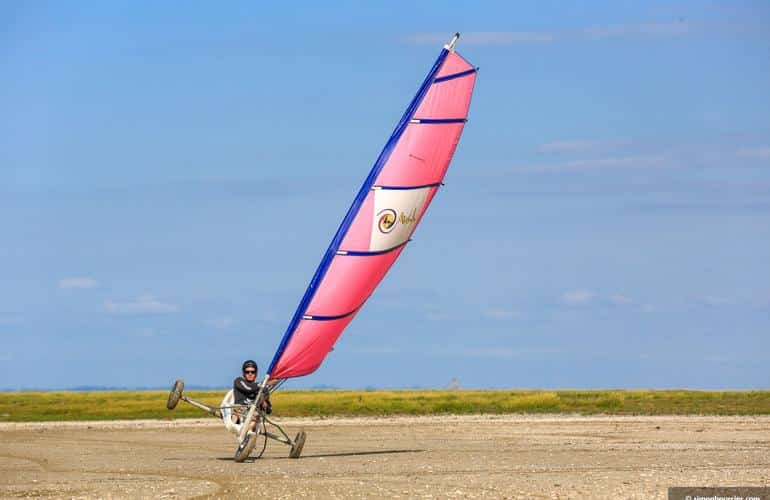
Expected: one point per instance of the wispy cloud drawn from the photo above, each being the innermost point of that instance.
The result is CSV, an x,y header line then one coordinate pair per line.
x,y
577,297
649,308
221,323
509,38
761,153
501,314
485,38
78,282
648,30
511,353
718,300
620,299
143,333
437,316
10,320
574,146
618,162
373,349
712,357
144,304
581,146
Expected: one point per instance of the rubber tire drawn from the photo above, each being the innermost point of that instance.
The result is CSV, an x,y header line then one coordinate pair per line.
x,y
245,449
175,394
299,443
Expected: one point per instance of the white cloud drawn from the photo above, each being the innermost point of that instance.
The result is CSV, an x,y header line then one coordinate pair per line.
x,y
510,353
575,146
577,297
485,38
437,316
144,304
620,299
610,162
649,30
761,153
649,308
581,145
144,332
10,320
221,323
78,282
373,349
717,300
510,38
501,314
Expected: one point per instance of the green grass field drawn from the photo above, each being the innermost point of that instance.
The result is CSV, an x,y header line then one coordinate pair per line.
x,y
55,406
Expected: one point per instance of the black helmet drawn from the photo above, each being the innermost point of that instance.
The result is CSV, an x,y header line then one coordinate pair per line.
x,y
249,364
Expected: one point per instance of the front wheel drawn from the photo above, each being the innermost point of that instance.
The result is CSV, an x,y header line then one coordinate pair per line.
x,y
246,447
299,443
175,394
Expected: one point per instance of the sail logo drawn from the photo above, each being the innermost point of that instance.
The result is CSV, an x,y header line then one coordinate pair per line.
x,y
408,219
387,220
395,214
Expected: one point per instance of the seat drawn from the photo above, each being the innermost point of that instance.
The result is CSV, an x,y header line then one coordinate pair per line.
x,y
227,413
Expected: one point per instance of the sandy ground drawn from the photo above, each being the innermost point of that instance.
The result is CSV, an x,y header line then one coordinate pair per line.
x,y
409,457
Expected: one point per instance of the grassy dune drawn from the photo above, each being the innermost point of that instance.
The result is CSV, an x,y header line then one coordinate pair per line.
x,y
54,406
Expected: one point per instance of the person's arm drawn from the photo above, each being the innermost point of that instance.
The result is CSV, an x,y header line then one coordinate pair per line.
x,y
240,390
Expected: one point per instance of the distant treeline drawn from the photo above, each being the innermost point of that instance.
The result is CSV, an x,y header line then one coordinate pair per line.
x,y
57,406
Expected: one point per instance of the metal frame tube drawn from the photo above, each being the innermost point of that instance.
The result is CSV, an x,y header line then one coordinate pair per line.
x,y
202,406
252,409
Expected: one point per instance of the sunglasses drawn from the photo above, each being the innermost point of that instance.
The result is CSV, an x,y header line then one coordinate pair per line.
x,y
250,372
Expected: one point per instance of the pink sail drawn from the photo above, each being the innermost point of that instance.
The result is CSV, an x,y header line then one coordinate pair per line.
x,y
382,218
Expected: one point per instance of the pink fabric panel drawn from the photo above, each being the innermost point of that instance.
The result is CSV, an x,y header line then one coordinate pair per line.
x,y
421,156
449,99
454,63
360,232
311,342
349,281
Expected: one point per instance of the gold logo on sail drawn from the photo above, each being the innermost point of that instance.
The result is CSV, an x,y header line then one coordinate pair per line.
x,y
387,219
408,219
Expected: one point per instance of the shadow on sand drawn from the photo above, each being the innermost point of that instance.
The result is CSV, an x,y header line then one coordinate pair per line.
x,y
358,453
327,455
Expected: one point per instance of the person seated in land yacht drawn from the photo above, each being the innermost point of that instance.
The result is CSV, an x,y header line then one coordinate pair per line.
x,y
245,390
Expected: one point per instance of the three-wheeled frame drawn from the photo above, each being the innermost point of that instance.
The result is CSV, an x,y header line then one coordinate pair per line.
x,y
247,439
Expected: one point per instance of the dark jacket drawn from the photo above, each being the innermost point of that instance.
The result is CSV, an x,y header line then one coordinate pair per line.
x,y
245,392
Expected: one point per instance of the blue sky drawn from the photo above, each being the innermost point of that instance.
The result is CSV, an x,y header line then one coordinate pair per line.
x,y
170,177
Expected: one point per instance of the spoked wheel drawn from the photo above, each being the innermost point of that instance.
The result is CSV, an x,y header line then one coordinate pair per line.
x,y
299,442
175,394
246,446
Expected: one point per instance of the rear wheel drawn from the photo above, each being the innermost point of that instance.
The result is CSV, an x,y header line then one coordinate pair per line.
x,y
175,394
299,443
246,447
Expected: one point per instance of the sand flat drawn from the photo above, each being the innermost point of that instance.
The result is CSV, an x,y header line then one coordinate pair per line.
x,y
469,456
